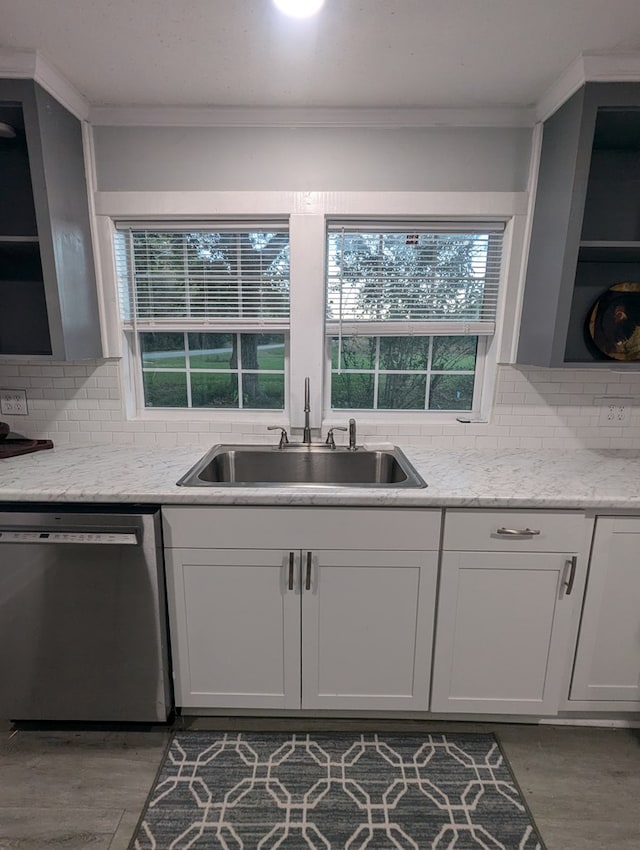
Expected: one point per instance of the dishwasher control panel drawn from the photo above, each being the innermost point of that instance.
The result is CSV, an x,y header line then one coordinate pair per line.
x,y
120,538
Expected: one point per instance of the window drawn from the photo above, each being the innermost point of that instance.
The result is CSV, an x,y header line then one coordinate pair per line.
x,y
207,313
409,310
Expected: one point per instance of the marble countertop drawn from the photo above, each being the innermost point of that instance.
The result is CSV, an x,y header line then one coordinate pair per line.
x,y
605,479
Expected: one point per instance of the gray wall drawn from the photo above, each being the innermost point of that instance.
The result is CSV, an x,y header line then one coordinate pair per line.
x,y
311,159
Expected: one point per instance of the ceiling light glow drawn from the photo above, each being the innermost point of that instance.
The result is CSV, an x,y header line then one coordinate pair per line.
x,y
299,8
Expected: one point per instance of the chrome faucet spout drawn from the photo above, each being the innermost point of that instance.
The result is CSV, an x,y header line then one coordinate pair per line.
x,y
352,435
306,433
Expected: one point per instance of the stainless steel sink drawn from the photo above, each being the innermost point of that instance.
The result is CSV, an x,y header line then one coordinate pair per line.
x,y
301,466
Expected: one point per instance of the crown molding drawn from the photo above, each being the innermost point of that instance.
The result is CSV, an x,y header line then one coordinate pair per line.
x,y
237,116
31,64
588,68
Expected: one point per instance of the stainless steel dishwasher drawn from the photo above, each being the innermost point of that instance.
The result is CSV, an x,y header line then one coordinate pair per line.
x,y
83,626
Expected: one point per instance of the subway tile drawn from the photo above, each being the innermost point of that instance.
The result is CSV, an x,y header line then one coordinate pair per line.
x,y
101,436
144,439
431,430
553,443
167,440
82,436
464,442
508,419
30,371
530,443
53,371
622,443
408,430
11,382
77,414
53,393
487,442
125,439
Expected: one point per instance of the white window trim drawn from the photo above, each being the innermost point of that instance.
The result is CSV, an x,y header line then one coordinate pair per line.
x,y
308,213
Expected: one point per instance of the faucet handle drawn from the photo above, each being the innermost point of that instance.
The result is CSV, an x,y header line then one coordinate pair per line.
x,y
330,441
284,439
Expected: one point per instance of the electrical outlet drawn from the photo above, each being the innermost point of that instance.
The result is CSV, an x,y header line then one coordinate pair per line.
x,y
13,402
615,411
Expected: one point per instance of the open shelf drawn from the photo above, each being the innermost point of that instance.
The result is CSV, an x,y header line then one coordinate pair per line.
x,y
605,251
585,235
48,298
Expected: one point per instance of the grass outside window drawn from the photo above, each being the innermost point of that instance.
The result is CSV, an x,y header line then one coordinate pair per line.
x,y
403,372
213,370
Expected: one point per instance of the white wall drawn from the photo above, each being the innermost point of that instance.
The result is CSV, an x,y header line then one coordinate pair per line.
x,y
311,159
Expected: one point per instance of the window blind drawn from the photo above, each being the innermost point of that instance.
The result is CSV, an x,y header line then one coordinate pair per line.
x,y
410,278
203,277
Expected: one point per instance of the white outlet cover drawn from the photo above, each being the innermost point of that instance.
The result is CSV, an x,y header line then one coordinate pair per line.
x,y
13,402
615,411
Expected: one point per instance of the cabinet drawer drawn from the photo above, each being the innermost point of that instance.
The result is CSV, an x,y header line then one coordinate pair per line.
x,y
301,528
488,531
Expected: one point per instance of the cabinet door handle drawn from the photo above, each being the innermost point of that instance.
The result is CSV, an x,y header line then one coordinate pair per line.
x,y
307,583
519,532
570,564
292,559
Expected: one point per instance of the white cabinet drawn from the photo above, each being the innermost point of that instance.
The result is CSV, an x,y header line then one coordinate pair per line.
x,y
607,666
367,629
510,589
264,615
235,630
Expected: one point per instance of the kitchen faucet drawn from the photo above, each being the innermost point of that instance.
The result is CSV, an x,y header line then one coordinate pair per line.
x,y
352,435
306,433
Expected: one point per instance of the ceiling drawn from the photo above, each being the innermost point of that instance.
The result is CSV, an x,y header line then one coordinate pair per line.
x,y
355,53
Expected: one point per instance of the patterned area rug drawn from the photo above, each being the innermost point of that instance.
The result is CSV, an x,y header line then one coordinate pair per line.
x,y
339,791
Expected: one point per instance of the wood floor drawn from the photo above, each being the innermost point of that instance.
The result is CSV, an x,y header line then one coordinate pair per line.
x,y
81,789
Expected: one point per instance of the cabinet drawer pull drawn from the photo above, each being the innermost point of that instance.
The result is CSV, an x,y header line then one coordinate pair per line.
x,y
292,558
308,579
570,564
519,532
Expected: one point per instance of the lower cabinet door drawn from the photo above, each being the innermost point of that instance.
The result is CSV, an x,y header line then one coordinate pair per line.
x,y
607,663
367,627
235,627
503,633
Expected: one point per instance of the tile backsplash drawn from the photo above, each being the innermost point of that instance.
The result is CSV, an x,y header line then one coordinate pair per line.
x,y
534,408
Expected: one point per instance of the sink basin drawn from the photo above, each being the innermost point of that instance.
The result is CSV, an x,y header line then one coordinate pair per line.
x,y
297,465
